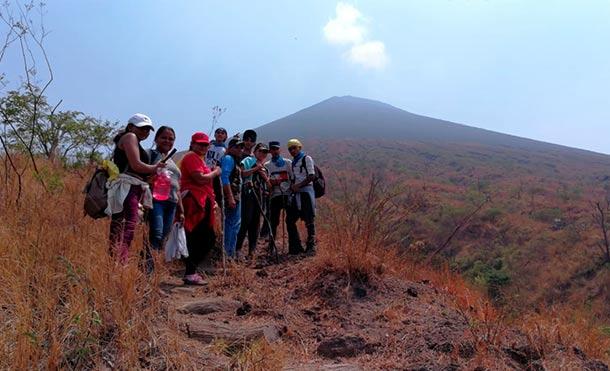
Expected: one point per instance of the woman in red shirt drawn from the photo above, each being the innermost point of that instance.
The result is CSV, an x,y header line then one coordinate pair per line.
x,y
196,184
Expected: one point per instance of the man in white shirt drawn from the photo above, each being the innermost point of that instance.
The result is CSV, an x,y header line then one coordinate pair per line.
x,y
280,173
303,200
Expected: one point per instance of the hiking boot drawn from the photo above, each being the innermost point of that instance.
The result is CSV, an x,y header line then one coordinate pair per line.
x,y
295,250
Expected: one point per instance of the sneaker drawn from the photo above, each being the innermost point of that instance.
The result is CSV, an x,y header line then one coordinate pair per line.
x,y
194,279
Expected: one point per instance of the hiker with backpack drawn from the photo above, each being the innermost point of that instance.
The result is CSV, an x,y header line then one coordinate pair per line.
x,y
231,186
199,202
302,203
280,173
255,181
130,188
166,189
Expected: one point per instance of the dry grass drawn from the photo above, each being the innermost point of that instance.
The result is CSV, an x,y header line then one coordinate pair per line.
x,y
358,239
64,302
255,355
567,328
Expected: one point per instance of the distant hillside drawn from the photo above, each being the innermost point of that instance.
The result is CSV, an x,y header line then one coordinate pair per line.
x,y
533,242
350,117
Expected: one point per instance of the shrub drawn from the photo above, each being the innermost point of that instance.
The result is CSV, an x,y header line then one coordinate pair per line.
x,y
493,276
547,215
492,215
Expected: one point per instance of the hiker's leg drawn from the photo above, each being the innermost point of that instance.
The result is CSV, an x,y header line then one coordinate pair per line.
x,y
232,224
253,228
169,213
274,216
245,219
308,215
161,218
155,221
130,220
294,240
197,243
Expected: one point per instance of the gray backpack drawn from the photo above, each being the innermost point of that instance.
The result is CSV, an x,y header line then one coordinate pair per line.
x,y
96,195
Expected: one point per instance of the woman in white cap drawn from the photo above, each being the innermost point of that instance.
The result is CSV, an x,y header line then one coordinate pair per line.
x,y
130,187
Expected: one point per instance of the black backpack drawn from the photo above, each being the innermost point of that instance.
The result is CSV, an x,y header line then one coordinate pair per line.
x,y
96,195
319,183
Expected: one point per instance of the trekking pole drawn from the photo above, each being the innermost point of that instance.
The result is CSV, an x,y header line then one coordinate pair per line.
x,y
222,228
271,237
283,221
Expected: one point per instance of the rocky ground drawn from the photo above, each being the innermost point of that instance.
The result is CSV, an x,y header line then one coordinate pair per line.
x,y
298,315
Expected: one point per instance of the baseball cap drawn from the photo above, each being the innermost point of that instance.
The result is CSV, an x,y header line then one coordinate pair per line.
x,y
200,137
261,147
220,130
274,144
294,143
235,141
140,120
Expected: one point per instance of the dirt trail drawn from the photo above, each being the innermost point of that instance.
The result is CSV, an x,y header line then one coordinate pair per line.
x,y
296,316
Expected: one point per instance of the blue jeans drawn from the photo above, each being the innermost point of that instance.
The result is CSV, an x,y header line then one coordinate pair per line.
x,y
232,224
161,220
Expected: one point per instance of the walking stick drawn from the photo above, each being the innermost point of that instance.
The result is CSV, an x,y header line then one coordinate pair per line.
x,y
271,236
222,229
283,221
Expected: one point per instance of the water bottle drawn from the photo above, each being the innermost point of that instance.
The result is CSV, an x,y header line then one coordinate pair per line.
x,y
162,185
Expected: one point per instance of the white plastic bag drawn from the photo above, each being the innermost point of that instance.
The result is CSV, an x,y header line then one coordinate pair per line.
x,y
175,248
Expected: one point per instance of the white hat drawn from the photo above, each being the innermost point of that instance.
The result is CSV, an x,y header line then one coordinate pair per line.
x,y
139,120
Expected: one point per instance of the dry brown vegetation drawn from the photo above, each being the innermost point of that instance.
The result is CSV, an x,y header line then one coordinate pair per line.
x,y
66,304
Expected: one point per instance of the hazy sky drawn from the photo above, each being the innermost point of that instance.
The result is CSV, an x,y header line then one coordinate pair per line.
x,y
538,69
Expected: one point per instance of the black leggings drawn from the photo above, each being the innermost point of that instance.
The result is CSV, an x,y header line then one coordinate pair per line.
x,y
250,221
199,242
307,214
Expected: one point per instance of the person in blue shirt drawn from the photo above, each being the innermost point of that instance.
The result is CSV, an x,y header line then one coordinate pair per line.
x,y
231,190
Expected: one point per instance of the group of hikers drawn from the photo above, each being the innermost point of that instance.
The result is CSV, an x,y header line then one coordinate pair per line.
x,y
235,176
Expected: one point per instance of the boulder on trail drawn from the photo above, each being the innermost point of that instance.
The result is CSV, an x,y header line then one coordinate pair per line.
x,y
347,346
210,305
208,331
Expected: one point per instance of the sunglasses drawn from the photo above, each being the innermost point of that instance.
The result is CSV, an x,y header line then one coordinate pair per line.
x,y
293,147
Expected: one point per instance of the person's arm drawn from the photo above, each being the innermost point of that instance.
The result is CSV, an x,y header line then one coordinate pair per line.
x,y
226,165
201,178
254,169
264,174
130,145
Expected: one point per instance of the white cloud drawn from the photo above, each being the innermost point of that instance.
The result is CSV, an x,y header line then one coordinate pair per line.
x,y
349,28
370,54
